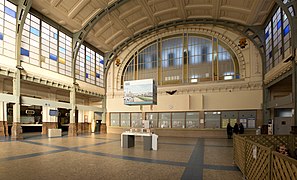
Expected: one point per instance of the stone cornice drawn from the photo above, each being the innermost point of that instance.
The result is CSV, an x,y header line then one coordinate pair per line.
x,y
46,81
215,87
277,71
7,72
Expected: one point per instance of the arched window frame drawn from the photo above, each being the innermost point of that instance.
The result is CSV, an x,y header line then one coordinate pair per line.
x,y
184,75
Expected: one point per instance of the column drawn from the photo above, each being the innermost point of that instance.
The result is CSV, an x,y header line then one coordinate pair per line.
x,y
72,130
91,118
266,111
293,25
103,122
2,128
16,129
45,119
80,125
5,123
294,92
49,120
23,9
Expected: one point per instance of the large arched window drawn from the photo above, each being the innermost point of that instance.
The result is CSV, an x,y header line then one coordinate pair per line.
x,y
183,59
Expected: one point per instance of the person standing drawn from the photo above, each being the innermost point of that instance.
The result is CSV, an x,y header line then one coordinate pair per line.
x,y
235,128
229,131
241,128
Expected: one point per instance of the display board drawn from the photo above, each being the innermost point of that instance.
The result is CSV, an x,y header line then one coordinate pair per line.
x,y
53,112
140,92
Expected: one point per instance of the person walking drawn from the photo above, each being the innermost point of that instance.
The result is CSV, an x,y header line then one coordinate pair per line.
x,y
229,131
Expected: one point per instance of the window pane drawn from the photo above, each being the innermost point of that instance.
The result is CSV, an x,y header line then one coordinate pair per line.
x,y
226,64
64,58
153,118
164,120
136,119
192,119
200,59
178,120
212,119
115,119
7,29
125,119
248,118
130,70
172,58
99,70
147,63
80,64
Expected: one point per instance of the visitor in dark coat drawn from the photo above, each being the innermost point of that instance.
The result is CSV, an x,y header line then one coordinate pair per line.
x,y
229,131
241,128
235,128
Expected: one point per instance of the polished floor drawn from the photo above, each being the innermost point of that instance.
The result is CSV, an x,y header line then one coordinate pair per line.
x,y
100,156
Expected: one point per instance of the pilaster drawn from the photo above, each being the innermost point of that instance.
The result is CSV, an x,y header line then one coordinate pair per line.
x,y
16,129
72,130
91,118
48,122
3,119
80,125
45,118
103,128
2,128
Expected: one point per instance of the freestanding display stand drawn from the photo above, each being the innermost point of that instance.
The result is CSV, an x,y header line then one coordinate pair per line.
x,y
147,142
150,140
128,141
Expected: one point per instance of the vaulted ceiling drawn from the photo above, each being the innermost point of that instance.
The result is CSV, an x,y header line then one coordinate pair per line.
x,y
135,16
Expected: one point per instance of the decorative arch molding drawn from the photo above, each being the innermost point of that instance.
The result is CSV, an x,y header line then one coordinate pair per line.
x,y
195,30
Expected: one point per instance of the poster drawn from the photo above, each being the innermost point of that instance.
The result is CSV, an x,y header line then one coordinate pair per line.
x,y
140,92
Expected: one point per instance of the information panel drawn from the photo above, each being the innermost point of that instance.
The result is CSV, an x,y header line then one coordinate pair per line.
x,y
140,92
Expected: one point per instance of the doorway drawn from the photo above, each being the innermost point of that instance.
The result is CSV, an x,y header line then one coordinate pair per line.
x,y
282,125
283,121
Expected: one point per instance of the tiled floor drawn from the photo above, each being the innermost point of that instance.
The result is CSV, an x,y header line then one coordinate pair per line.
x,y
99,156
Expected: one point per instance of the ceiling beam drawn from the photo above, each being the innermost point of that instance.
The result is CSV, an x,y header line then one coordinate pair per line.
x,y
256,8
181,10
116,20
77,8
147,11
216,8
